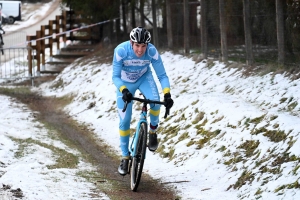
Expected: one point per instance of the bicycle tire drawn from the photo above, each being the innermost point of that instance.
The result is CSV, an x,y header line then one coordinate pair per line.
x,y
138,160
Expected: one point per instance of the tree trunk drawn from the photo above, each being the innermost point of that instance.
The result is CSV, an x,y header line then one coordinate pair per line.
x,y
280,31
142,3
133,22
193,12
124,16
186,27
169,25
117,24
155,35
247,30
203,27
224,50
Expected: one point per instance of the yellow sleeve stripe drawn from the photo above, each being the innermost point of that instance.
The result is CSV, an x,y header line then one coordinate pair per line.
x,y
124,133
154,112
122,87
166,90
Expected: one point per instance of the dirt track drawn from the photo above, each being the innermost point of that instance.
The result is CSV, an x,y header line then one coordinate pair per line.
x,y
52,116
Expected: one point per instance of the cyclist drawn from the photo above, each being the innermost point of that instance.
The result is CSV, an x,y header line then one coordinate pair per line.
x,y
1,32
131,71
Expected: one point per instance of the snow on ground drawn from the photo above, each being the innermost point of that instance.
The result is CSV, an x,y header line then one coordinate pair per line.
x,y
219,115
27,166
25,170
231,105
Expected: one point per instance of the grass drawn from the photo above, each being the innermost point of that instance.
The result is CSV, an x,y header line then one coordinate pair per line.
x,y
63,159
57,84
247,177
257,120
21,90
273,135
249,146
198,118
293,185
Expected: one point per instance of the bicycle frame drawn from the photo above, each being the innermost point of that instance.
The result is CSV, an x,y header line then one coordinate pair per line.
x,y
143,118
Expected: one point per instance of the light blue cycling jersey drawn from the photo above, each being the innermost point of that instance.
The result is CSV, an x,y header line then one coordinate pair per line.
x,y
127,67
135,73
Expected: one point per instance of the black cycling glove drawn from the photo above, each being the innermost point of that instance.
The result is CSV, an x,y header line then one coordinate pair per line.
x,y
127,96
168,101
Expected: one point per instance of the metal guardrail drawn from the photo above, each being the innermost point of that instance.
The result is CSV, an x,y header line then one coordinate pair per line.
x,y
25,55
14,64
60,29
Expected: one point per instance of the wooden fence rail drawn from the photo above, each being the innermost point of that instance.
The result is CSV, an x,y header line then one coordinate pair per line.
x,y
56,31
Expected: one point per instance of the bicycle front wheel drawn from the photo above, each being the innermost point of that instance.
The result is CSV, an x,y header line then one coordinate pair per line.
x,y
138,160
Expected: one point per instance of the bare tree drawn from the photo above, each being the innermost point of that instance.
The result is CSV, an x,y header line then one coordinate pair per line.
x,y
133,22
203,26
280,31
169,25
117,24
124,16
224,50
186,27
155,35
142,4
247,32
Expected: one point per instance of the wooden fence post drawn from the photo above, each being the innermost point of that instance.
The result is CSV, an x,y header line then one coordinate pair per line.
x,y
38,51
29,57
70,21
43,46
64,26
51,38
57,27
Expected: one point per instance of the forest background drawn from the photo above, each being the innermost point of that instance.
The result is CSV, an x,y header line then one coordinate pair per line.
x,y
265,33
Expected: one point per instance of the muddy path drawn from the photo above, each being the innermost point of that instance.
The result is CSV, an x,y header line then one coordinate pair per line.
x,y
49,112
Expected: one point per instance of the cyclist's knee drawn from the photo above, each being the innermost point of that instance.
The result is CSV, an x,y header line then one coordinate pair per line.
x,y
155,106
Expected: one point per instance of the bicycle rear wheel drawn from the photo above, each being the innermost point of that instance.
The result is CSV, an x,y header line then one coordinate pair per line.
x,y
138,160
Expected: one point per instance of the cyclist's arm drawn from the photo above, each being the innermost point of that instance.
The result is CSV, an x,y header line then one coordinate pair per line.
x,y
117,68
159,69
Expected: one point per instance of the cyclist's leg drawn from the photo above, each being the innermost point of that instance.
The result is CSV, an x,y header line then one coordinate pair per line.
x,y
125,118
149,89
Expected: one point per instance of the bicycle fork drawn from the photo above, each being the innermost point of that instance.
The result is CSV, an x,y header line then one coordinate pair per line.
x,y
133,144
132,149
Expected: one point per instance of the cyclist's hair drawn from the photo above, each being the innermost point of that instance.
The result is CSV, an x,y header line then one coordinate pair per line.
x,y
140,35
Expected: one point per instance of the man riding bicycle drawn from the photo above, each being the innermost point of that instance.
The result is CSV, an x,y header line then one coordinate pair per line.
x,y
1,33
131,71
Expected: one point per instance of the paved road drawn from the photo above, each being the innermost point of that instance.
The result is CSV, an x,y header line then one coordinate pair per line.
x,y
15,43
55,10
18,38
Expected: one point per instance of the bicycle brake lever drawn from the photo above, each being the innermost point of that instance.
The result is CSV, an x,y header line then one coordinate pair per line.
x,y
167,113
125,106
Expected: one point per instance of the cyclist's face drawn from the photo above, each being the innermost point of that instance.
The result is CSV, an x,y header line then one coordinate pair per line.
x,y
139,49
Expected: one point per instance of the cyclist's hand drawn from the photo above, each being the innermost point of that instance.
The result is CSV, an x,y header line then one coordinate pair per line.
x,y
168,101
127,96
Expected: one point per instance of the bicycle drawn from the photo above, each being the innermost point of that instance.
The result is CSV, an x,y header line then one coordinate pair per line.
x,y
138,144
